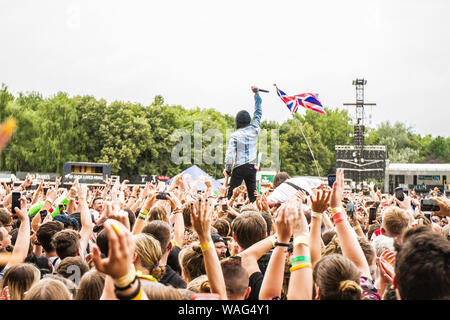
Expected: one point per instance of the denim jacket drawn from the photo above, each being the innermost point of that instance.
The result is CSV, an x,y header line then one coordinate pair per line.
x,y
243,143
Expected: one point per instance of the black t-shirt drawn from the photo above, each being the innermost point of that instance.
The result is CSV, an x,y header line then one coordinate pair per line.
x,y
255,282
172,278
172,259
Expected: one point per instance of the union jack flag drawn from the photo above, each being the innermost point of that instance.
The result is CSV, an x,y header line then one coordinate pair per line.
x,y
306,100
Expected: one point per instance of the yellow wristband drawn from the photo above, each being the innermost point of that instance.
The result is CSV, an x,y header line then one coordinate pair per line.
x,y
300,266
358,227
301,239
336,210
126,279
49,201
206,246
138,296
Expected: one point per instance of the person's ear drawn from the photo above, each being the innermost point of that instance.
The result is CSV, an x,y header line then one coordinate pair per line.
x,y
247,292
234,236
170,246
317,294
135,257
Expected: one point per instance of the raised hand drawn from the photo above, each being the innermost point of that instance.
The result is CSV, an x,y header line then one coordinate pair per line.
x,y
283,225
297,218
121,251
173,201
319,203
338,190
444,205
51,195
201,217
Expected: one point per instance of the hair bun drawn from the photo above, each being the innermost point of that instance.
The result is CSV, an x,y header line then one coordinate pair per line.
x,y
349,289
197,249
205,287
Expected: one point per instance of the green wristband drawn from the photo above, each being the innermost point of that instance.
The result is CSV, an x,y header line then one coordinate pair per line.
x,y
301,259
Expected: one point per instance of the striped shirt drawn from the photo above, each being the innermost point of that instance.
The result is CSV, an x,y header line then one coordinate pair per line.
x,y
242,147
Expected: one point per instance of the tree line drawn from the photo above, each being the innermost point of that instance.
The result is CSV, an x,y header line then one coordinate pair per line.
x,y
137,139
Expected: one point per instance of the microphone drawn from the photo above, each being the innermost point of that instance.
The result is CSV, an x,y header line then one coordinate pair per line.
x,y
262,90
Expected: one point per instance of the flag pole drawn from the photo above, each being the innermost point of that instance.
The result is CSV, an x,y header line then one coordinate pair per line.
x,y
307,143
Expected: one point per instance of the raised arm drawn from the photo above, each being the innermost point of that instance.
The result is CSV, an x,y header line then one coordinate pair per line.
x,y
319,204
119,263
201,216
273,279
347,236
251,255
23,239
178,227
87,225
258,110
300,282
142,217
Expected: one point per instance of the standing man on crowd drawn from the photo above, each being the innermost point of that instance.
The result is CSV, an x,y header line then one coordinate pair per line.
x,y
241,151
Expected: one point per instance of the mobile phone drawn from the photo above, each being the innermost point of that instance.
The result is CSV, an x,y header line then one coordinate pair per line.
x,y
429,205
43,214
372,215
331,180
45,191
224,207
350,210
15,201
398,192
161,196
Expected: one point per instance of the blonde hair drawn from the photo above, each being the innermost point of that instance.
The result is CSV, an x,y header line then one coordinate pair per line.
x,y
158,213
395,221
199,284
19,279
48,289
158,291
149,252
91,286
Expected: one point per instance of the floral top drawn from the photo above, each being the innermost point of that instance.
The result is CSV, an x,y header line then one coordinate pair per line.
x,y
370,292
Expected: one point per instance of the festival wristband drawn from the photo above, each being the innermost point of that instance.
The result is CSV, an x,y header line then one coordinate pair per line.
x,y
336,210
206,246
316,215
338,217
142,216
280,244
49,201
135,295
301,259
301,239
144,211
300,266
357,227
126,279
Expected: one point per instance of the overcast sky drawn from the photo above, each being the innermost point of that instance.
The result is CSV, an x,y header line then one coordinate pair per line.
x,y
208,53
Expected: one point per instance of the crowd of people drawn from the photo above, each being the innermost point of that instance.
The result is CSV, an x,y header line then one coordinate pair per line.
x,y
173,242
